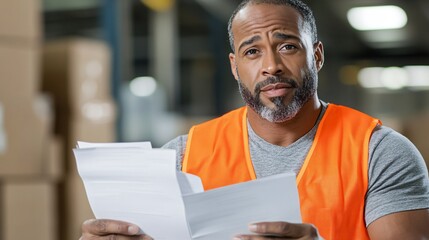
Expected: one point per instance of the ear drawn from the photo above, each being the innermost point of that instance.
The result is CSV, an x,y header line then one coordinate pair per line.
x,y
319,55
233,65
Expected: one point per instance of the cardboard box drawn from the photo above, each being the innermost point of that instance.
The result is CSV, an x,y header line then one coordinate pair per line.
x,y
20,20
29,210
76,71
96,123
19,72
27,125
76,207
53,165
2,131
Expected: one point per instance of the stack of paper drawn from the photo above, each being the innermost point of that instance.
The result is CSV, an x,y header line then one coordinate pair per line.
x,y
135,183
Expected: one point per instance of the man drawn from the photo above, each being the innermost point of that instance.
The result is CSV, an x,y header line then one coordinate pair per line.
x,y
356,179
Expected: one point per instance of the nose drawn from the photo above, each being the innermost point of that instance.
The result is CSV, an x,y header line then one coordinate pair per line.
x,y
272,64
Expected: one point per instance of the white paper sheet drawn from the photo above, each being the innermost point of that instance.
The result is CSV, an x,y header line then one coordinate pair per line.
x,y
136,185
144,145
224,212
141,185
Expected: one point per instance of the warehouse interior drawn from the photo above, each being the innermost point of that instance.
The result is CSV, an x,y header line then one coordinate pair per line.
x,y
147,70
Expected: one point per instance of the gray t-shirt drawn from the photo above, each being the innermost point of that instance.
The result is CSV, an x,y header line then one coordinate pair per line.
x,y
398,177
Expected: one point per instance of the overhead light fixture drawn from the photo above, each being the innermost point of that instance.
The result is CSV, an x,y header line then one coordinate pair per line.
x,y
370,77
377,18
419,77
394,78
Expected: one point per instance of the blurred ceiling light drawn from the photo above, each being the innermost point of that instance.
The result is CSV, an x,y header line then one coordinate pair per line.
x,y
370,77
143,86
394,78
419,76
377,17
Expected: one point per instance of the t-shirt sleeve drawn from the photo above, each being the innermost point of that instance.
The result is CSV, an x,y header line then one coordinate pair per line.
x,y
398,176
178,144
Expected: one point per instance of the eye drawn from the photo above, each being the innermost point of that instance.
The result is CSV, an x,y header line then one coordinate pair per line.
x,y
251,51
288,47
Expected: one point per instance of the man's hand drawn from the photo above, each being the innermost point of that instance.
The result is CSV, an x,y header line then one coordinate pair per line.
x,y
99,229
280,230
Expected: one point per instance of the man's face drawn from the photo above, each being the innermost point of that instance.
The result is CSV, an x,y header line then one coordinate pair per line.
x,y
274,61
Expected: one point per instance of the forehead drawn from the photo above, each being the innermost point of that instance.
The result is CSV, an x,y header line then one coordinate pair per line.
x,y
260,18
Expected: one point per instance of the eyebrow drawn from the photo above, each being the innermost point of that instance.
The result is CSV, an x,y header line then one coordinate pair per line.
x,y
249,42
277,35
284,36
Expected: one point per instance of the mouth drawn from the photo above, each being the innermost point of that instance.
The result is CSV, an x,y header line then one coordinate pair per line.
x,y
276,90
276,86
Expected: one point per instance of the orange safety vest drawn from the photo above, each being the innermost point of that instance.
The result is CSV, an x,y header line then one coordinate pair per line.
x,y
332,182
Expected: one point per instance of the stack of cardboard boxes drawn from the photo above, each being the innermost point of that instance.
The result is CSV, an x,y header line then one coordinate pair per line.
x,y
30,154
76,72
2,132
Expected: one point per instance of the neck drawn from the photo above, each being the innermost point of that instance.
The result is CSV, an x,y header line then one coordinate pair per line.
x,y
286,133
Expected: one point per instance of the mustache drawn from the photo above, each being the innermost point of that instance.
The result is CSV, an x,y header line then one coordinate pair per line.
x,y
274,80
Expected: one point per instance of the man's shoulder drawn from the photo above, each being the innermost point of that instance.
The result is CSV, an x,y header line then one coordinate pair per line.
x,y
176,143
389,137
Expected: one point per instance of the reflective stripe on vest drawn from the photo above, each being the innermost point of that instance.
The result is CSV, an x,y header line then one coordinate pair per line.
x,y
332,182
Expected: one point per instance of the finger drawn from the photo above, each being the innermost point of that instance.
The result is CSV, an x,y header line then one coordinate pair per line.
x,y
283,229
116,237
101,227
255,237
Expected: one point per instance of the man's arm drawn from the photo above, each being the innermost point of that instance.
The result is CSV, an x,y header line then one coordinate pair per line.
x,y
401,225
397,204
398,177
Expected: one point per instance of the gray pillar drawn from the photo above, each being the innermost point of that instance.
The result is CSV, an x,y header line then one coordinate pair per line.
x,y
163,62
116,24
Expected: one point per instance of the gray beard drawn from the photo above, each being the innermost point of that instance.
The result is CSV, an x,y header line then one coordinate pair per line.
x,y
281,112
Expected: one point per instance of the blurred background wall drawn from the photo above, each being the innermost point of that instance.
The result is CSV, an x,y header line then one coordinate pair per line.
x,y
147,70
